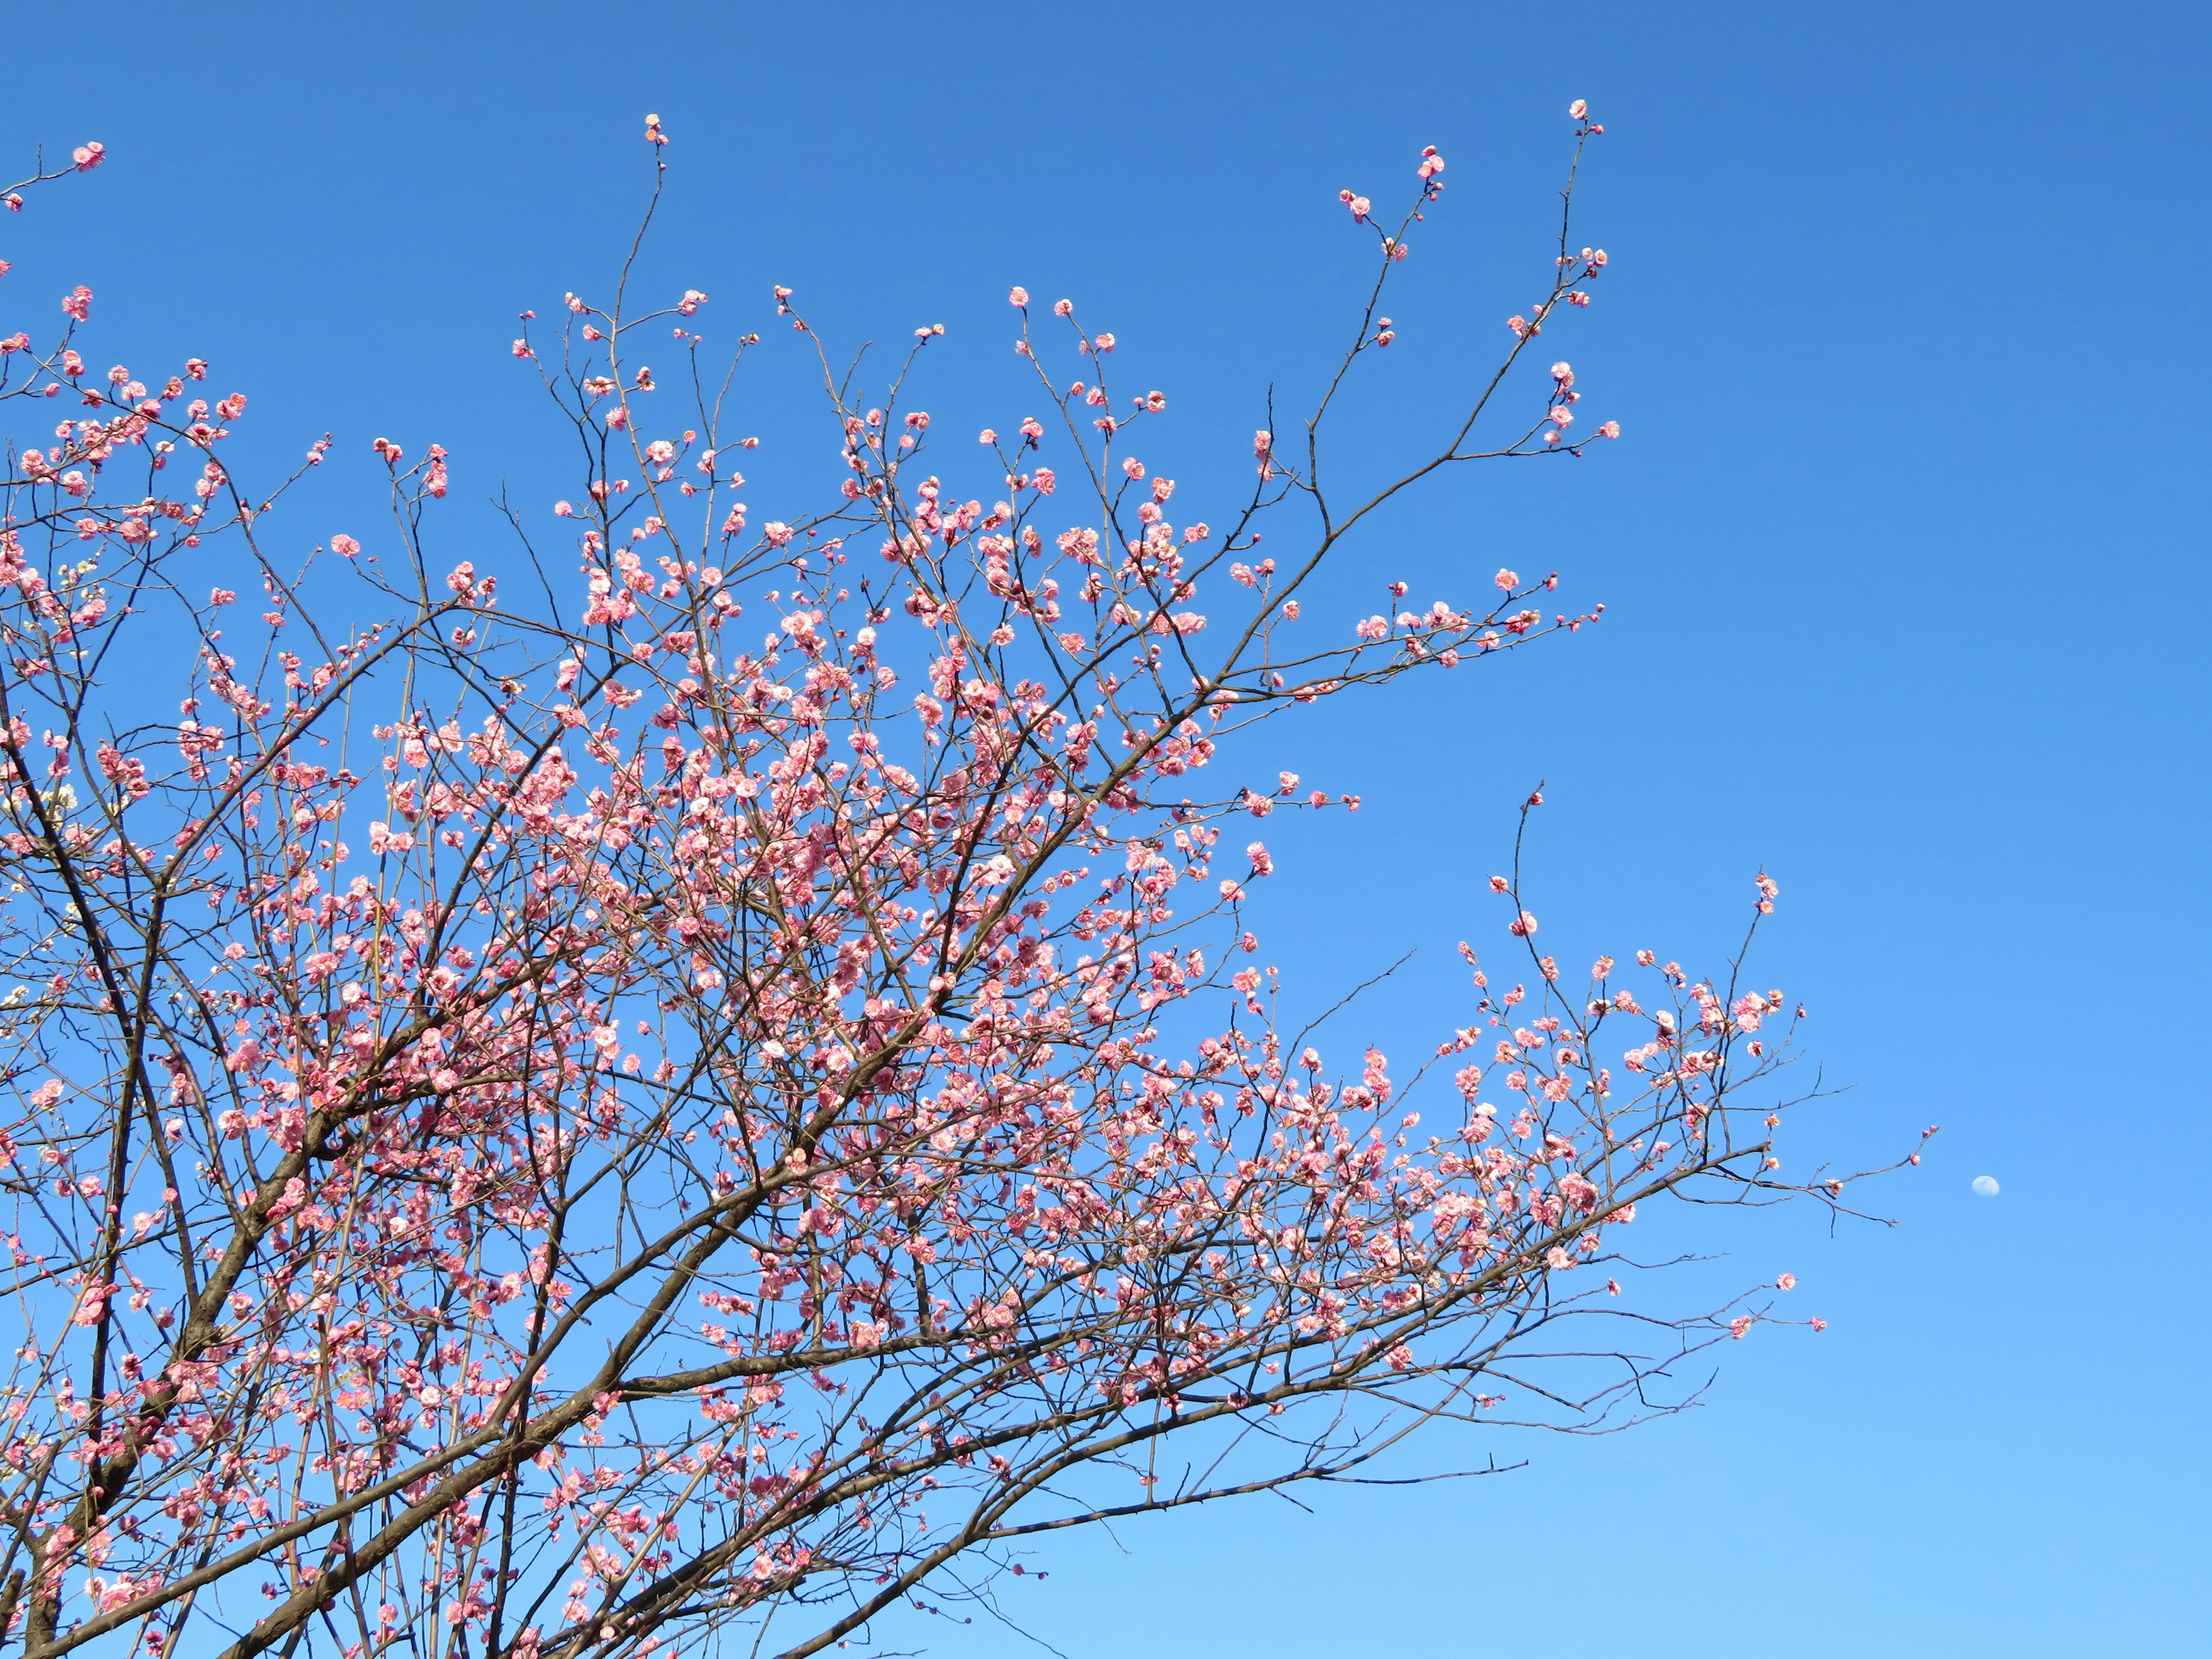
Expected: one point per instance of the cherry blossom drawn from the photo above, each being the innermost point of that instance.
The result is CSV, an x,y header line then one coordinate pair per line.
x,y
744,1079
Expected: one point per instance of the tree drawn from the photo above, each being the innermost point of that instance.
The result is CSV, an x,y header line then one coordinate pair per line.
x,y
571,1124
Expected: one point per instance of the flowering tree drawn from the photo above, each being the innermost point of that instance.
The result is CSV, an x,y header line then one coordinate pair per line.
x,y
543,1126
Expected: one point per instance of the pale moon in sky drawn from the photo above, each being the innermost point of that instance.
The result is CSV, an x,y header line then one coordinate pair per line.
x,y
1986,1186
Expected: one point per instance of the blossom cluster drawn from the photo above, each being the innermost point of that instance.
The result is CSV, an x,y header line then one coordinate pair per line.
x,y
551,1124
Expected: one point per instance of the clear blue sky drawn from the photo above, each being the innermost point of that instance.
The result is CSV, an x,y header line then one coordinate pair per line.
x,y
1905,561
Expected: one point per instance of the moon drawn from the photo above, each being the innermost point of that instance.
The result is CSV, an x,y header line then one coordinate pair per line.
x,y
1986,1186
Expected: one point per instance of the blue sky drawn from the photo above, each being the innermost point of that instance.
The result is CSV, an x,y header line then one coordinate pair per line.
x,y
1904,555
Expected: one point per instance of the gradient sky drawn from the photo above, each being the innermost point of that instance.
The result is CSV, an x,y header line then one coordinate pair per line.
x,y
1904,555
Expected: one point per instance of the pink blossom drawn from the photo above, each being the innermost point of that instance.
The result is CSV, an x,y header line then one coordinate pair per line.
x,y
848,962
